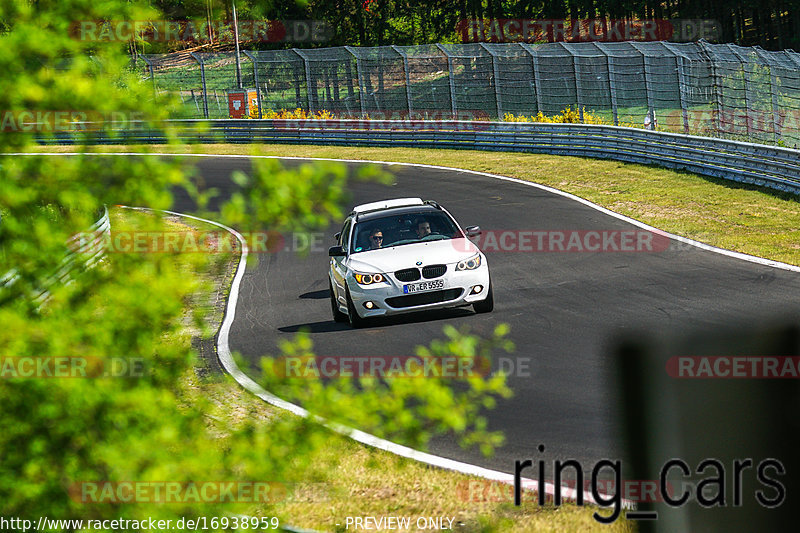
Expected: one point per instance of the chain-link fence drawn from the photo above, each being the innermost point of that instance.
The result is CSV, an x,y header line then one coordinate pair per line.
x,y
697,88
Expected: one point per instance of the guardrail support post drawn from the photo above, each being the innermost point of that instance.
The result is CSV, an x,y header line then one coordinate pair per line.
x,y
451,78
408,76
203,79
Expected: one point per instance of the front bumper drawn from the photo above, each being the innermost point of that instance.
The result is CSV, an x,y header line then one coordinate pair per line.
x,y
389,298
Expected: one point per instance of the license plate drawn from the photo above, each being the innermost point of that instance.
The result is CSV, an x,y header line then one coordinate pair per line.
x,y
424,286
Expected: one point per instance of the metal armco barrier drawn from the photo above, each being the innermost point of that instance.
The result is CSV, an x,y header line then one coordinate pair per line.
x,y
761,165
84,252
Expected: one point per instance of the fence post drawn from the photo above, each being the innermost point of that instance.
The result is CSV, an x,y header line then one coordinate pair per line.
x,y
309,95
360,76
681,63
453,105
255,79
612,84
773,90
648,84
747,98
715,84
408,76
203,79
578,91
152,73
536,76
496,71
683,84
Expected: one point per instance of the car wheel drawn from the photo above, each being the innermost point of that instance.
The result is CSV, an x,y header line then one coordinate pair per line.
x,y
485,306
338,316
355,320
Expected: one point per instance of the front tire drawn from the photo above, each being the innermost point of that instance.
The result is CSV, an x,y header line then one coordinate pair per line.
x,y
338,316
485,306
355,320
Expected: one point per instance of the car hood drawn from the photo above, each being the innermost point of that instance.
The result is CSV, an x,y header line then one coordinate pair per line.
x,y
394,258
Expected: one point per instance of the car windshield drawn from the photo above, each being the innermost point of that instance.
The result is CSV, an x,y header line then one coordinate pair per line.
x,y
406,228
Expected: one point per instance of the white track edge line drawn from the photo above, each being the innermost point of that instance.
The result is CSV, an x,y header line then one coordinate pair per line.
x,y
685,240
227,361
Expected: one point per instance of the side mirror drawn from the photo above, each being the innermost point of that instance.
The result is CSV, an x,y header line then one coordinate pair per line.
x,y
336,237
336,251
472,231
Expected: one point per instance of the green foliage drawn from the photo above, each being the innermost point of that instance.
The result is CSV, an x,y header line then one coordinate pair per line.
x,y
408,406
60,432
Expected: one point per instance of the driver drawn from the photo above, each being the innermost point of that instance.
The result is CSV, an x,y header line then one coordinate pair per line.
x,y
375,239
423,228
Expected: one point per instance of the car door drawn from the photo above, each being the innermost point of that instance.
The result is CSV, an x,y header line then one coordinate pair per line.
x,y
338,268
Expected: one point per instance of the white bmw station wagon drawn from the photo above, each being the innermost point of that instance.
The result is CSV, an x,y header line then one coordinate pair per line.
x,y
404,255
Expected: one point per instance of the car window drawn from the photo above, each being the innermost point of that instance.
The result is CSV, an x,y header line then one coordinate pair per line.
x,y
344,237
408,228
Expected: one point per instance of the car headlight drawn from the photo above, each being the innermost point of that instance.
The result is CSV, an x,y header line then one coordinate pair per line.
x,y
469,264
369,279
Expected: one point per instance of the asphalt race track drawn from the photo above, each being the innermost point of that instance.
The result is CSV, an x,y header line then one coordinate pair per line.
x,y
563,307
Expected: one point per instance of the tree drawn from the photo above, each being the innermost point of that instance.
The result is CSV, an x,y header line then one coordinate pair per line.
x,y
58,434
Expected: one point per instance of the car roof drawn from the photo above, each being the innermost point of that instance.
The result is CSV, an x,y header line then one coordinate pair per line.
x,y
386,204
372,215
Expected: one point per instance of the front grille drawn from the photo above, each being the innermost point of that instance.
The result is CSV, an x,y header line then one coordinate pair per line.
x,y
407,274
433,271
424,298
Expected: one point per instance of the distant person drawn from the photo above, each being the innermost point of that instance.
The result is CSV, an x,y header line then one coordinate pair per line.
x,y
375,239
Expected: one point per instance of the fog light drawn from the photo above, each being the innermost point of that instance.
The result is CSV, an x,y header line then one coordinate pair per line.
x,y
477,289
370,305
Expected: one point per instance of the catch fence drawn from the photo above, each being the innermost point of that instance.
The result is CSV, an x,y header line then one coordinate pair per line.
x,y
719,90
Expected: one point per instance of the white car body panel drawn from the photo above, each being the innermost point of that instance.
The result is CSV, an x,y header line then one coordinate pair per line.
x,y
455,288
